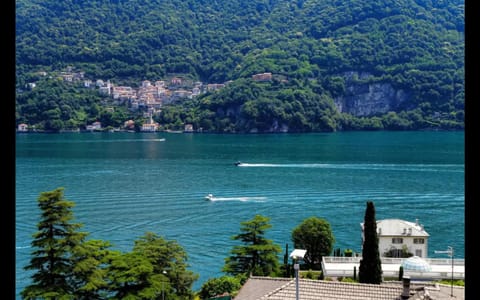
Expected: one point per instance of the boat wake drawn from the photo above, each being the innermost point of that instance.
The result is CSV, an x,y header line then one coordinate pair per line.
x,y
103,141
283,165
129,140
22,247
242,199
394,167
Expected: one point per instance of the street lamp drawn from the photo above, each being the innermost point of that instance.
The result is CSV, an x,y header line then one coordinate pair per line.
x,y
296,255
449,251
163,285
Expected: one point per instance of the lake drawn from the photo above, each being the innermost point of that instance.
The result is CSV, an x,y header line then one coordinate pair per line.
x,y
125,184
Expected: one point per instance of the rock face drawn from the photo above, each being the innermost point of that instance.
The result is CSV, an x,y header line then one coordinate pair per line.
x,y
366,99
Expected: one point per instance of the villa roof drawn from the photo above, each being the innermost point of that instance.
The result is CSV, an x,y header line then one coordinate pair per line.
x,y
268,288
265,288
257,287
397,227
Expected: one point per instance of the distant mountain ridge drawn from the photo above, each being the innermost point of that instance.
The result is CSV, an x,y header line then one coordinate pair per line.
x,y
412,51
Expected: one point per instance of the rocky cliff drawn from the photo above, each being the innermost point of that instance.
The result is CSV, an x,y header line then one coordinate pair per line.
x,y
364,98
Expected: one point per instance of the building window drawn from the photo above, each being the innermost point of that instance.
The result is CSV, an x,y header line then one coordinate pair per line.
x,y
397,241
419,241
418,252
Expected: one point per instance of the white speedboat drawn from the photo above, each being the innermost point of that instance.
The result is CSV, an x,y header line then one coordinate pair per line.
x,y
209,197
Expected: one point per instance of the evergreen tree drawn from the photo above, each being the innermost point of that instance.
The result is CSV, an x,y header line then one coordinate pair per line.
x,y
91,260
169,259
53,244
315,236
155,269
257,255
370,270
131,277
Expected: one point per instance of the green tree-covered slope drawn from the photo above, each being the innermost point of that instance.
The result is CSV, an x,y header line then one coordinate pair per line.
x,y
322,54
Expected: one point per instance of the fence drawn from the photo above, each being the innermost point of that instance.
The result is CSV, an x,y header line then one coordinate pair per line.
x,y
334,266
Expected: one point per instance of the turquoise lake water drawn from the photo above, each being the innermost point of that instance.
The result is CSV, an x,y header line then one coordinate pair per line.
x,y
125,184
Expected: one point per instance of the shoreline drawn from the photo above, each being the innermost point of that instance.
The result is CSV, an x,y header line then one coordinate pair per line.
x,y
232,133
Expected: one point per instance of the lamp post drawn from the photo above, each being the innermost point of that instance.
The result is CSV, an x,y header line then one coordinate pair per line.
x,y
163,285
296,255
449,251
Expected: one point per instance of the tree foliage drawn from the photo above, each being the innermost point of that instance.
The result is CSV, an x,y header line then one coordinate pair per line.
x,y
67,266
219,286
257,255
54,242
414,46
370,270
90,269
170,259
131,276
314,235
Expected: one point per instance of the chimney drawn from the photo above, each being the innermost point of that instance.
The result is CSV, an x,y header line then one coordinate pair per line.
x,y
406,287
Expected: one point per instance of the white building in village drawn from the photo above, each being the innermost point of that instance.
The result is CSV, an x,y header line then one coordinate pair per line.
x,y
22,127
94,126
397,236
150,125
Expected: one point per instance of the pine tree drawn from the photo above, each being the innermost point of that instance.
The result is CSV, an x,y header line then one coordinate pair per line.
x,y
370,270
257,255
53,243
90,261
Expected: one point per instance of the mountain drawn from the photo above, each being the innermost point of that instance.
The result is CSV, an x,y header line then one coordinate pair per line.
x,y
334,65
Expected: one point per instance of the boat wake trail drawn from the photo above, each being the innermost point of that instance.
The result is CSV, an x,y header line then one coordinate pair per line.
x,y
284,165
22,247
126,140
102,141
243,199
374,166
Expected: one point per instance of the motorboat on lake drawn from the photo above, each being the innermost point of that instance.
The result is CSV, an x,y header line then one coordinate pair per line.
x,y
209,197
238,163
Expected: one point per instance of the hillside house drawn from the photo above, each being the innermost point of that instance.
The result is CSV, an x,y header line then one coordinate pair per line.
x,y
262,77
22,127
150,125
94,126
188,128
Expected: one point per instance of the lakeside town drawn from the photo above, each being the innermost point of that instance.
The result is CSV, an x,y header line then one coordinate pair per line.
x,y
149,97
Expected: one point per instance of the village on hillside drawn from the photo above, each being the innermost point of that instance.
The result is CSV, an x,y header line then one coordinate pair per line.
x,y
149,97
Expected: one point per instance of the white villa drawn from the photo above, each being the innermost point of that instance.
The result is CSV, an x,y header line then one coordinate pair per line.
x,y
22,127
397,236
94,126
150,125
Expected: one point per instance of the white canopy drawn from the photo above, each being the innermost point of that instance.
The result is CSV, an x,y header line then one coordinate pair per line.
x,y
298,253
416,263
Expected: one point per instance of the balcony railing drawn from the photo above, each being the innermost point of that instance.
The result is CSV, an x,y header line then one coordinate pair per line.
x,y
389,269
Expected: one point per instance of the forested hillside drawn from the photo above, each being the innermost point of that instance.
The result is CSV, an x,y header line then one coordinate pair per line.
x,y
336,65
